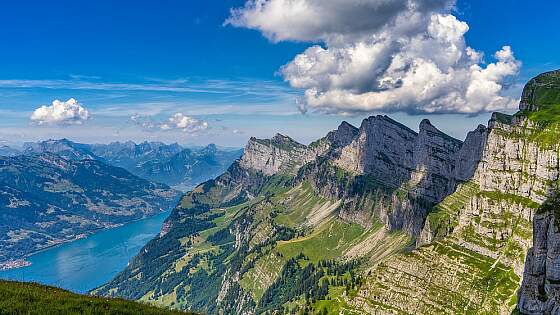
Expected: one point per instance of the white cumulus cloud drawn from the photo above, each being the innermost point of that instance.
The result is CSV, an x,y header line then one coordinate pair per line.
x,y
184,123
311,20
177,121
383,55
61,113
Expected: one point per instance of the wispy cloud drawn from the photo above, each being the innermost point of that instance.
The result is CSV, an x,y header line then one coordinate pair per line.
x,y
177,121
227,87
195,108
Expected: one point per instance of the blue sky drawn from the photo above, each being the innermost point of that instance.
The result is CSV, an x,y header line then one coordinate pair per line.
x,y
158,58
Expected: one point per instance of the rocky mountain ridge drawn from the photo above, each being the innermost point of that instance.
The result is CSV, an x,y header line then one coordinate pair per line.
x,y
313,171
412,222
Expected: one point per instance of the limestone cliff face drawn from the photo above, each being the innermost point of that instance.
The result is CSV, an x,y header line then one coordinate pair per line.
x,y
478,236
281,154
424,163
540,290
470,154
271,156
390,173
513,177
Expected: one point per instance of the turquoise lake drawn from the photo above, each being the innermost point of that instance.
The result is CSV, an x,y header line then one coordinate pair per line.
x,y
87,263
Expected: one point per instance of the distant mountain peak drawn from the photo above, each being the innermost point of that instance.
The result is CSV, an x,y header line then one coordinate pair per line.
x,y
209,149
64,147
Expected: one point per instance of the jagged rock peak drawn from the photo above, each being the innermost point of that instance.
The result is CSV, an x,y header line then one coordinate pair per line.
x,y
270,156
279,141
425,124
383,120
209,149
481,128
343,135
426,128
344,125
541,91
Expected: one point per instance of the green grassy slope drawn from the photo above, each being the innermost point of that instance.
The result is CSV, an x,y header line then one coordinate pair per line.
x,y
31,298
292,252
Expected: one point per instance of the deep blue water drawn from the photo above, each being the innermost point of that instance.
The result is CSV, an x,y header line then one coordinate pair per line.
x,y
85,264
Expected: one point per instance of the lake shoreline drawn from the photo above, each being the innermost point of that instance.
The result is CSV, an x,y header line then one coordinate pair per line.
x,y
23,262
84,264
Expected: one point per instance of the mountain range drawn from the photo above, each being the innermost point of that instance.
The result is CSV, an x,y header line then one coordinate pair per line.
x,y
170,164
378,219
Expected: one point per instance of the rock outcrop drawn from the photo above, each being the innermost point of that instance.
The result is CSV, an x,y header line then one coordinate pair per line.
x,y
282,154
271,156
540,290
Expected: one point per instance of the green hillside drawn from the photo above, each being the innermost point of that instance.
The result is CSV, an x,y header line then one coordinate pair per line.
x,y
31,298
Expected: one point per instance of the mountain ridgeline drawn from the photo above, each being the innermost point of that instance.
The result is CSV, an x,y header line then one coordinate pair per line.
x,y
170,164
378,219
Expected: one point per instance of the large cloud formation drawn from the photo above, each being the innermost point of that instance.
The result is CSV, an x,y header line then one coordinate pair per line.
x,y
382,55
61,113
177,121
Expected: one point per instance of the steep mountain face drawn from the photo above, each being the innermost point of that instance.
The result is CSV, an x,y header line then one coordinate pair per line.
x,y
539,293
46,200
407,172
378,219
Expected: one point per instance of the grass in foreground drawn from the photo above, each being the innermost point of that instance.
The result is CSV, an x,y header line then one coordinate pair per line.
x,y
31,298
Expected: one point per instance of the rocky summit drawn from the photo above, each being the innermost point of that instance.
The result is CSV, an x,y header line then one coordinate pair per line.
x,y
379,219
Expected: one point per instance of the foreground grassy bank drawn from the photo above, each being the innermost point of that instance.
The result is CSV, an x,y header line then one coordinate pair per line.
x,y
31,298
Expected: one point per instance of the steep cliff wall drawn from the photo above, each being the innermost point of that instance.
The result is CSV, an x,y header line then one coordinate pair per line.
x,y
540,290
473,244
392,174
